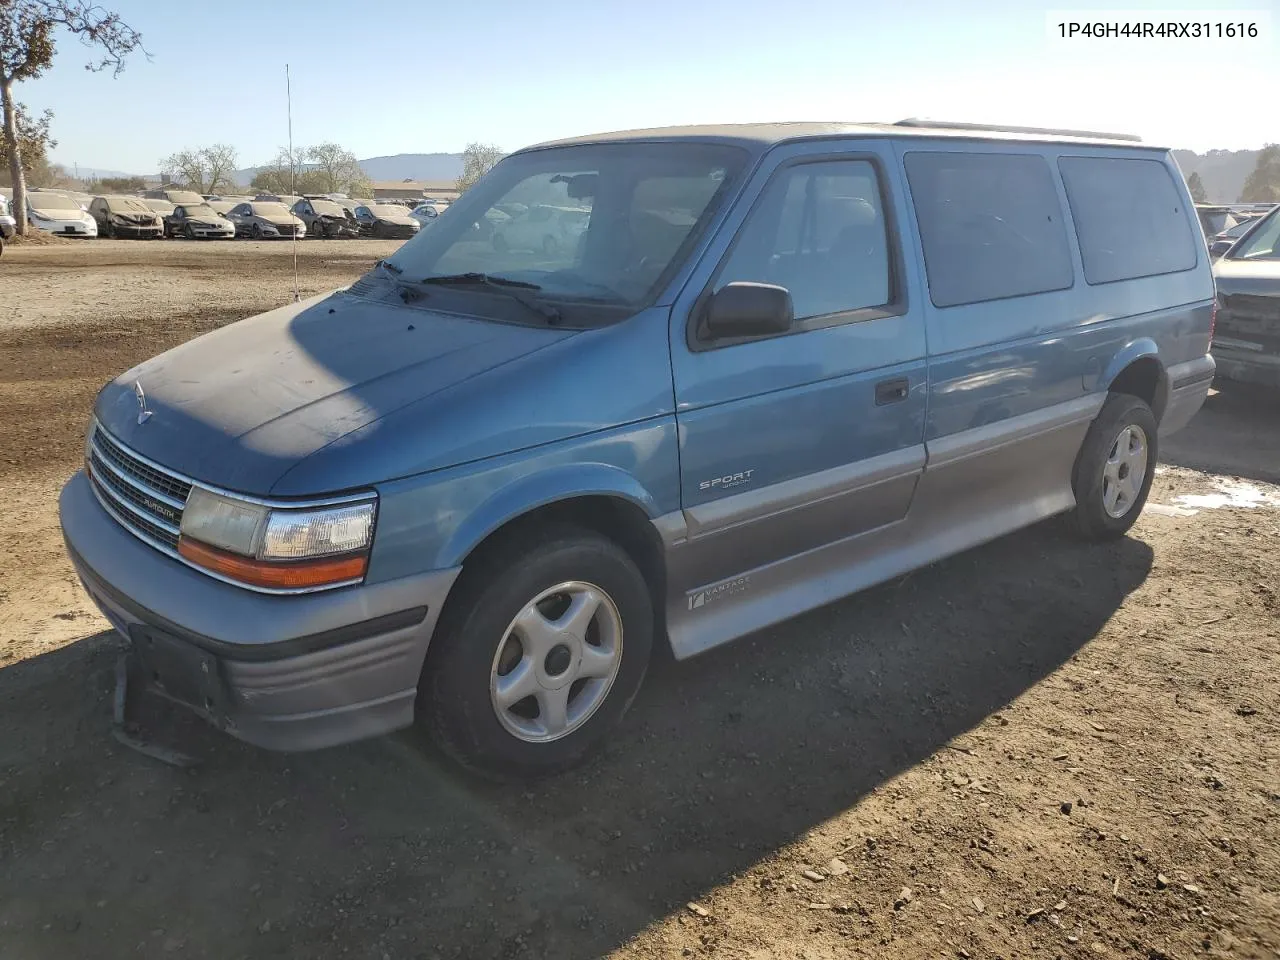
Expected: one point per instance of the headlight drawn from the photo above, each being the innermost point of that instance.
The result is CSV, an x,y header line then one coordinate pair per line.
x,y
282,548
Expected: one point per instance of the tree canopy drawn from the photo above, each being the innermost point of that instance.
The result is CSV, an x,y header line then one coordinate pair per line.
x,y
1196,186
1263,185
477,160
28,43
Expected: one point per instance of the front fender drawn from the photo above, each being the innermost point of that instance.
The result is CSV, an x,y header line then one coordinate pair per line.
x,y
564,482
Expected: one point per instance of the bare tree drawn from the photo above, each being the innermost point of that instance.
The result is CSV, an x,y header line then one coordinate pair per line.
x,y
204,170
477,160
186,167
219,165
28,31
337,169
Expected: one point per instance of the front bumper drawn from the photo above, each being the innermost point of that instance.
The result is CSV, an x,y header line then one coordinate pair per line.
x,y
281,672
131,230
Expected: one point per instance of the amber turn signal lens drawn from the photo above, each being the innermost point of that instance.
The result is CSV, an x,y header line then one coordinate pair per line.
x,y
274,574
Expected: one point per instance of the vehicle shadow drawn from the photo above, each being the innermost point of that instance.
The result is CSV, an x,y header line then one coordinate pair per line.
x,y
383,849
1236,432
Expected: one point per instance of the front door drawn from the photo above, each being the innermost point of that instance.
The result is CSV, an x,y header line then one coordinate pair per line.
x,y
791,443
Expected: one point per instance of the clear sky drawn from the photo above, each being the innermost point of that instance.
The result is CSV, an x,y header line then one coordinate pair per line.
x,y
394,76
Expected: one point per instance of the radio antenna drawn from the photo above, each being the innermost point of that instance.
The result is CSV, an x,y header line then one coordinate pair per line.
x,y
293,176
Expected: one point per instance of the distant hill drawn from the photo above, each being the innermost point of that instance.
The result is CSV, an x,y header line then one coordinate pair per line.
x,y
402,166
1222,172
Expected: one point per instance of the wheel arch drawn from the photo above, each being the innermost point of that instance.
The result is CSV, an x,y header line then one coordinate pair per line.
x,y
1138,370
601,499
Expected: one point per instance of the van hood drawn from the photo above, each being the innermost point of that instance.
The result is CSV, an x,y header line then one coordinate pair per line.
x,y
240,406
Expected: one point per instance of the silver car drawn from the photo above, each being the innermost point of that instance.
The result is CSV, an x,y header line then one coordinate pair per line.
x,y
265,220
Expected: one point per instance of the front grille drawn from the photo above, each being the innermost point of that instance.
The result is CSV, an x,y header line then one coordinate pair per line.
x,y
145,498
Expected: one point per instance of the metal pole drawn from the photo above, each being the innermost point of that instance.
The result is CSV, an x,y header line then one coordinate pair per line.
x,y
293,176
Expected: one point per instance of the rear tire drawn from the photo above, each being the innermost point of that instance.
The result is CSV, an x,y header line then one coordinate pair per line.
x,y
581,680
1114,469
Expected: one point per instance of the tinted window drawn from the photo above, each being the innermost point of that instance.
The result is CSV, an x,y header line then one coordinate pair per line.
x,y
818,230
1129,216
990,224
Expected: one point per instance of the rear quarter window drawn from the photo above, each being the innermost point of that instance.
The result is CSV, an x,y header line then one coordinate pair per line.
x,y
1130,218
990,224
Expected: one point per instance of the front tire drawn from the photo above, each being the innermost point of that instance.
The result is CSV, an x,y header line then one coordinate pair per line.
x,y
539,653
1114,468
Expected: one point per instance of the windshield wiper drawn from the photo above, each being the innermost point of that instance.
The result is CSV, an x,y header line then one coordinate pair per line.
x,y
504,285
407,293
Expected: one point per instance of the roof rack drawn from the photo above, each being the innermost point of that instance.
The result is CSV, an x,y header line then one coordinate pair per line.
x,y
998,128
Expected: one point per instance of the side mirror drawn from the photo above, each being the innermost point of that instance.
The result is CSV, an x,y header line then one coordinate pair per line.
x,y
743,309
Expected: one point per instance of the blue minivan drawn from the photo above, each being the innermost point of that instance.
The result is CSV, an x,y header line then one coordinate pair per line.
x,y
775,365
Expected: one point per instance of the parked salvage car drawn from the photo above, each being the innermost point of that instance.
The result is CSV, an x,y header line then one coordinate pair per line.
x,y
60,213
173,196
541,227
159,205
8,225
475,489
385,220
265,221
425,213
126,217
1246,342
198,221
325,218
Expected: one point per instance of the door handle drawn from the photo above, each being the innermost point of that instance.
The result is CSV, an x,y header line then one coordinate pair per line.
x,y
892,391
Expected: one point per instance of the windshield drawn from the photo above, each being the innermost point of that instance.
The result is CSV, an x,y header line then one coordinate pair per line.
x,y
328,208
200,210
52,201
388,210
159,206
270,210
598,222
1263,243
127,205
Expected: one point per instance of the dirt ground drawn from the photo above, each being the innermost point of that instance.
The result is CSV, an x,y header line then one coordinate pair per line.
x,y
1035,749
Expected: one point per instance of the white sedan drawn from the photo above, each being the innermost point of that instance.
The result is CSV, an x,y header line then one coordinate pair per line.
x,y
542,227
59,213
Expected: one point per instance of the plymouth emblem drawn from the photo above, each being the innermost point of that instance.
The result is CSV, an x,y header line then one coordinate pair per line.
x,y
143,413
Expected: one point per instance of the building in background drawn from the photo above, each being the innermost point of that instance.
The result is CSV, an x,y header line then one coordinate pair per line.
x,y
415,189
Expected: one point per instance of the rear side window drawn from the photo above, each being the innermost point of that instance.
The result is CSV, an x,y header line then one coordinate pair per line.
x,y
990,224
1129,216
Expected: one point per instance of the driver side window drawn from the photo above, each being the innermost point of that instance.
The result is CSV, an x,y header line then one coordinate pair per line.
x,y
819,230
